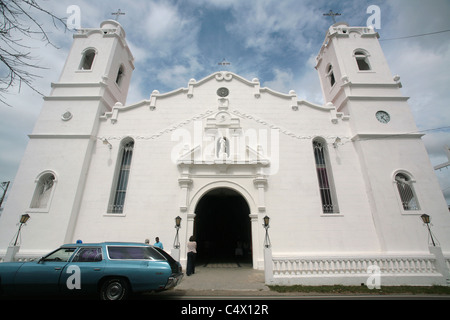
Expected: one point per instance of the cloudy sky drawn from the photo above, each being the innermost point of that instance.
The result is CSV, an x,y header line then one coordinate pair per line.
x,y
273,40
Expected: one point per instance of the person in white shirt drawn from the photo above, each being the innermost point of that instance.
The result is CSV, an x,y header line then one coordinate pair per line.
x,y
191,254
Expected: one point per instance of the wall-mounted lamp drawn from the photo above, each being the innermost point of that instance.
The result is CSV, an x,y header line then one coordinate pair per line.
x,y
176,242
426,219
335,143
266,220
106,142
23,219
14,247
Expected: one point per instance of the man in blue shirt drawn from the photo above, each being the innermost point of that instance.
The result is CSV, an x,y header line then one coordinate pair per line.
x,y
158,244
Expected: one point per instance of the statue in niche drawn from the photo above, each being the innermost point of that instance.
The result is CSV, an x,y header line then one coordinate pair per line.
x,y
223,146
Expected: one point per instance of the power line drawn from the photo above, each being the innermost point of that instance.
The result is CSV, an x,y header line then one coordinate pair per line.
x,y
416,35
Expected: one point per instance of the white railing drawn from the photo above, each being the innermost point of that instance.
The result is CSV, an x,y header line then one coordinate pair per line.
x,y
423,269
286,266
20,259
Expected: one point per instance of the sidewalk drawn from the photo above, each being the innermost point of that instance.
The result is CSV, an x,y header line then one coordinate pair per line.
x,y
223,279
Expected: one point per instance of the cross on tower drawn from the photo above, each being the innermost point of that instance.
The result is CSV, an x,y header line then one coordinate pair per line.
x,y
117,14
224,62
332,15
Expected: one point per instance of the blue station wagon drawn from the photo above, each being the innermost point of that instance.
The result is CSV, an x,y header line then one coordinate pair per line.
x,y
111,270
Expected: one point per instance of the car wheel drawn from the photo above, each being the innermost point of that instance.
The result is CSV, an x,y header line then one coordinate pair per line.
x,y
114,289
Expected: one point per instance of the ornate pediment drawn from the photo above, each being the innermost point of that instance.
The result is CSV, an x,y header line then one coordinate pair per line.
x,y
223,141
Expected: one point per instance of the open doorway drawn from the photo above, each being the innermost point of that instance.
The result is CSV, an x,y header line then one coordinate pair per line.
x,y
222,228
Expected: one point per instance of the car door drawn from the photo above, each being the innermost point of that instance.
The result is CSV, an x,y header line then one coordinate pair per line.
x,y
42,277
84,271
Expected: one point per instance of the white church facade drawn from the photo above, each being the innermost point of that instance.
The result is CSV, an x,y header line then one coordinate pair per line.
x,y
344,184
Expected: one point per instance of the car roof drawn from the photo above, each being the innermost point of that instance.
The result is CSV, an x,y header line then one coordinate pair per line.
x,y
134,244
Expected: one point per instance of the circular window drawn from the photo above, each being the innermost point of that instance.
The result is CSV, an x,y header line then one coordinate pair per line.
x,y
222,92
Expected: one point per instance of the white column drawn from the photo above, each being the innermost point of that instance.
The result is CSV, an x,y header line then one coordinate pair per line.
x,y
268,265
184,183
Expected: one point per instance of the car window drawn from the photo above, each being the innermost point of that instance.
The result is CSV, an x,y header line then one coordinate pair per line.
x,y
88,255
134,253
165,254
62,254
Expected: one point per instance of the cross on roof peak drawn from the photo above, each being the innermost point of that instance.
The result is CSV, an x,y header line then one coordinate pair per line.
x,y
224,62
117,14
332,15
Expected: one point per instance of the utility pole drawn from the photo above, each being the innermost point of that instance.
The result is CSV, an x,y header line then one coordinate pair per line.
x,y
4,186
445,164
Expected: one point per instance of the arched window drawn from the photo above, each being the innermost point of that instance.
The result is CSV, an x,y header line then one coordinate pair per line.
x,y
406,191
120,75
87,60
362,60
121,182
325,178
330,75
43,192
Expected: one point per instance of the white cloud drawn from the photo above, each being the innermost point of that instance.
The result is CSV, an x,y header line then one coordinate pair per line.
x,y
308,82
426,85
174,75
282,79
169,32
269,26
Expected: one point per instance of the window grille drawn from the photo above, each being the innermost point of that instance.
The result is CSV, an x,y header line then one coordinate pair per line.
x,y
122,181
327,192
406,192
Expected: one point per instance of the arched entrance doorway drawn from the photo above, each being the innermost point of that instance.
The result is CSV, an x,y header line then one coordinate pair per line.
x,y
222,227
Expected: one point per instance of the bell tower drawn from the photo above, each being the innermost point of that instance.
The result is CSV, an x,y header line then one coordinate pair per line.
x,y
49,184
356,79
95,77
99,57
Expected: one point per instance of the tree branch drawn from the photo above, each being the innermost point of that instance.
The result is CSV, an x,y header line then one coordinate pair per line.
x,y
19,17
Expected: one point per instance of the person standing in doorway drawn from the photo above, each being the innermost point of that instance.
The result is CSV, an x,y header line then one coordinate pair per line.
x,y
191,254
158,244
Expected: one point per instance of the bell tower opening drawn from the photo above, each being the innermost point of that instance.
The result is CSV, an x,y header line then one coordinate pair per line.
x,y
222,228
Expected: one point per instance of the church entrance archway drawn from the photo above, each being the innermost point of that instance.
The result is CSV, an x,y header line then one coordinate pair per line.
x,y
222,228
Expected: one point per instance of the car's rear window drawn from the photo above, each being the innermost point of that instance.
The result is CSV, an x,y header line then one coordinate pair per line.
x,y
133,253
